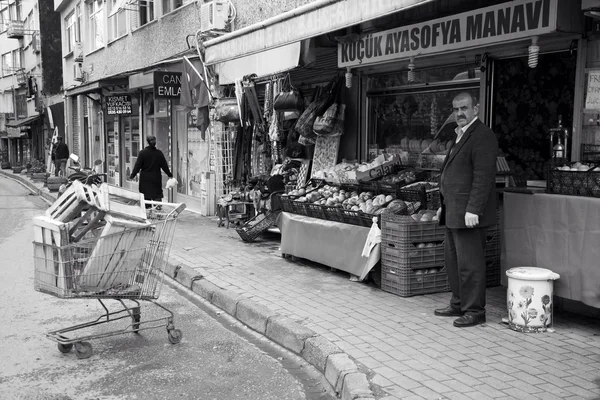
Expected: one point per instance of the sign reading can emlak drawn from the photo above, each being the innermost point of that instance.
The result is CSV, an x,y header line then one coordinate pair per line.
x,y
499,23
167,85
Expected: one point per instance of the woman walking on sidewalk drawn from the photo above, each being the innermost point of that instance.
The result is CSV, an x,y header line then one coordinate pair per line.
x,y
149,163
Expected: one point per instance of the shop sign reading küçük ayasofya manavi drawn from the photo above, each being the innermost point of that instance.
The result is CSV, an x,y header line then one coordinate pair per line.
x,y
499,23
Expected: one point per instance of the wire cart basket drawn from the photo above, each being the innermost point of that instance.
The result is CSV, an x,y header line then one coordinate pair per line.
x,y
120,260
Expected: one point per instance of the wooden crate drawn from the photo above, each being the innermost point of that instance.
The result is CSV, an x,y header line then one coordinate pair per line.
x,y
52,256
117,255
122,203
76,198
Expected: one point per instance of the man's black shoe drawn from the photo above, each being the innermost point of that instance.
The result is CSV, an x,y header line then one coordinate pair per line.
x,y
469,320
448,312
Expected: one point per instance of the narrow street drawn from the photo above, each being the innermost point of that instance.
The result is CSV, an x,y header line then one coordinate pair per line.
x,y
217,358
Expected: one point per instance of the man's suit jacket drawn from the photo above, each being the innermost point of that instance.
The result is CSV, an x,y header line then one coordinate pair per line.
x,y
468,179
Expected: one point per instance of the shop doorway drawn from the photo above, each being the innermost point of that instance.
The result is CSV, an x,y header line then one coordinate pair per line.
x,y
527,103
122,147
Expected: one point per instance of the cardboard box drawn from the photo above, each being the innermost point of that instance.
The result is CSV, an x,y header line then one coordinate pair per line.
x,y
394,164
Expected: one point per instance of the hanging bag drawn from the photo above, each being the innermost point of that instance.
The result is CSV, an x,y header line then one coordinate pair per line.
x,y
325,123
290,98
304,125
227,110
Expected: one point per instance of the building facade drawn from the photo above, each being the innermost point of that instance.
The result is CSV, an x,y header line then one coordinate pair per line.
x,y
25,85
113,52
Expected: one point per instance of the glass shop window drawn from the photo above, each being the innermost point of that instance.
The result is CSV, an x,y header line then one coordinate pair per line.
x,y
416,116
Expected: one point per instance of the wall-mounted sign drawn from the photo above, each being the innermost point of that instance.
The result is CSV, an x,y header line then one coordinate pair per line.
x,y
17,132
592,94
118,104
167,85
517,19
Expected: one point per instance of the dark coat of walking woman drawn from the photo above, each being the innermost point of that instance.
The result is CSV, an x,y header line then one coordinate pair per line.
x,y
149,163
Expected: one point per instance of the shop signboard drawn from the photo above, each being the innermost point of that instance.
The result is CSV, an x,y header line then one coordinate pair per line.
x,y
118,105
17,132
519,19
167,85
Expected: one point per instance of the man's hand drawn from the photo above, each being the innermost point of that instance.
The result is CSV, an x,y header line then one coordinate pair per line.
x,y
471,220
438,213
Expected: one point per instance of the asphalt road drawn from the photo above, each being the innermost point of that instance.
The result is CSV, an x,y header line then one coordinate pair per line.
x,y
217,359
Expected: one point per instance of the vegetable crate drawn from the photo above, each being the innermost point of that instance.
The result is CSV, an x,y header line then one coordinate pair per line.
x,y
414,255
254,227
406,282
492,272
574,183
402,229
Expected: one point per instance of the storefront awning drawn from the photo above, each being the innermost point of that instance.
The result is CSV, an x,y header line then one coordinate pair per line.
x,y
269,62
315,18
22,122
97,86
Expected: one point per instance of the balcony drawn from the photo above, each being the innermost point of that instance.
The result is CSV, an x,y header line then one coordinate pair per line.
x,y
16,29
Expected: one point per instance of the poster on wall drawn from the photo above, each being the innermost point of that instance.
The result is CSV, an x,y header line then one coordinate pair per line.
x,y
592,94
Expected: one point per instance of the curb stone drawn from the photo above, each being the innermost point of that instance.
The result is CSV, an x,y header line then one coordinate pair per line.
x,y
338,366
355,386
226,300
317,350
339,370
311,346
288,333
256,316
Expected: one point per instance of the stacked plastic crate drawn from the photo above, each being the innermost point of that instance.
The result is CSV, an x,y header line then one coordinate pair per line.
x,y
412,256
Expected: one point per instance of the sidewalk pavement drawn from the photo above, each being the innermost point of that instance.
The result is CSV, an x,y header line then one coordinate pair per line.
x,y
372,344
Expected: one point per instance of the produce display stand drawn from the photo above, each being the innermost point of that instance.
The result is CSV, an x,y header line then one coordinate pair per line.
x,y
116,258
335,244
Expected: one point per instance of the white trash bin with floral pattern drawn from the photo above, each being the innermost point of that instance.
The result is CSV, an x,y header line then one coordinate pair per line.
x,y
529,298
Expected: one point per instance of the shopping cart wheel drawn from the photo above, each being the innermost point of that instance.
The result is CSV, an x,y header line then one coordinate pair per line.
x,y
65,348
83,350
175,336
136,317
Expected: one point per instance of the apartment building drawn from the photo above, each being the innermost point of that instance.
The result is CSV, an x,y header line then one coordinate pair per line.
x,y
29,80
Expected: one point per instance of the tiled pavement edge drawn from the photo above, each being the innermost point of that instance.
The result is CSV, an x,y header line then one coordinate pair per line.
x,y
404,350
339,370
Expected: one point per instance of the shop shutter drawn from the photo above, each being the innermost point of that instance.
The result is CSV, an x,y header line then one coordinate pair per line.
x,y
321,71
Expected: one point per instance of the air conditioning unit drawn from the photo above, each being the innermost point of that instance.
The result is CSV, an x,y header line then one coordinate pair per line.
x,y
214,16
77,73
78,52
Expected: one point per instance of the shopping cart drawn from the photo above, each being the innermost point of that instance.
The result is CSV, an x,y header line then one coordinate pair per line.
x,y
120,260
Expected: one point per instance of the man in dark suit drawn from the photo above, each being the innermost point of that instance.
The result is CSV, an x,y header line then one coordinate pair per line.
x,y
468,193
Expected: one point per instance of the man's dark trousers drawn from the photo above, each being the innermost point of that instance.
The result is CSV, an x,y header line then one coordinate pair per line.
x,y
465,266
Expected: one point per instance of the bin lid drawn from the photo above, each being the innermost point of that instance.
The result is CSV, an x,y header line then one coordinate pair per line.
x,y
532,274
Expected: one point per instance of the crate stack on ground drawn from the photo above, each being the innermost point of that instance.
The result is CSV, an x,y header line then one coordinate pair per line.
x,y
412,256
91,239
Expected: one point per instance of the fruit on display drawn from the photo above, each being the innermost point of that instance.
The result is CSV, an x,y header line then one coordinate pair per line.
x,y
366,202
408,176
578,167
423,185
